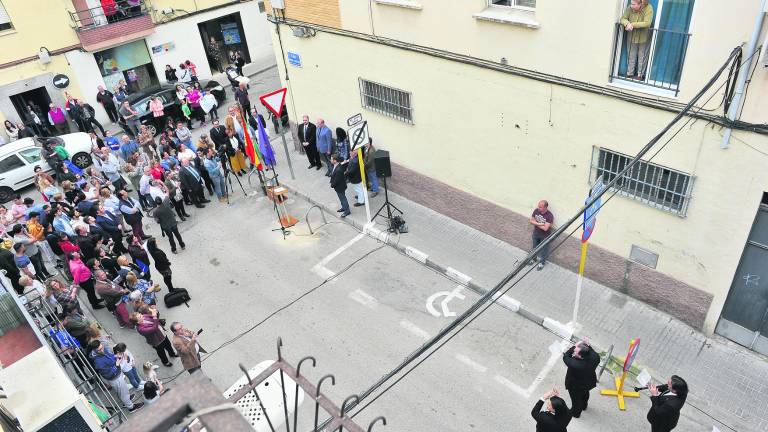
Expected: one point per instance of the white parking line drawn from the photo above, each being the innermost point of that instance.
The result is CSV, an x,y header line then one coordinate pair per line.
x,y
413,328
364,299
512,386
471,363
321,270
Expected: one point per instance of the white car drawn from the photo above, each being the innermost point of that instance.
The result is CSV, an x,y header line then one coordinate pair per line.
x,y
19,158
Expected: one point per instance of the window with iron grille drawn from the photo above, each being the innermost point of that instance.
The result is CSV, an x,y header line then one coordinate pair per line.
x,y
652,184
386,100
528,4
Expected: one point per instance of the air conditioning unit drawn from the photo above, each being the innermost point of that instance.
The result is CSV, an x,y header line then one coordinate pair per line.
x,y
277,4
301,32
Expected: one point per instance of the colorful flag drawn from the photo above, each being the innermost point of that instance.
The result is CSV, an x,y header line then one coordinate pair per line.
x,y
249,147
266,147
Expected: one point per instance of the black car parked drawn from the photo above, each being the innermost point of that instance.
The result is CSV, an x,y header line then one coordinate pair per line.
x,y
172,107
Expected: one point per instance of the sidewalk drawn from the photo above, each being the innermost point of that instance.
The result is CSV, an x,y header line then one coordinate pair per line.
x,y
727,382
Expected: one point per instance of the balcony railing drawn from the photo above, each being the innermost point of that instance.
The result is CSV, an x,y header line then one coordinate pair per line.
x,y
108,13
649,57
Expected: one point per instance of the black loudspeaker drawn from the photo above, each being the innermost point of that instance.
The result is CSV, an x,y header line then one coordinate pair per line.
x,y
381,161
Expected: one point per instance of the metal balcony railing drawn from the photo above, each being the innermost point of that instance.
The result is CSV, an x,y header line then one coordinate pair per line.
x,y
649,57
78,367
109,12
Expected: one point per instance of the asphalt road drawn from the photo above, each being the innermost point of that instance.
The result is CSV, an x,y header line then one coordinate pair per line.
x,y
360,324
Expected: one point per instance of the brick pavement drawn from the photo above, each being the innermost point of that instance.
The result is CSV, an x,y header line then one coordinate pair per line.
x,y
727,382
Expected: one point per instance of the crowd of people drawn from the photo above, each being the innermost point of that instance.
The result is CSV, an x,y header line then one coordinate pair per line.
x,y
341,161
90,225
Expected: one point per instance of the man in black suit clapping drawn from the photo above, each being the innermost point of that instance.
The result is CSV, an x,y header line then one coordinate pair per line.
x,y
581,361
666,402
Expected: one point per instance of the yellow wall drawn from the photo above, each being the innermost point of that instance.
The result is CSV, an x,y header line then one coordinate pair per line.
x,y
46,24
574,42
30,69
514,141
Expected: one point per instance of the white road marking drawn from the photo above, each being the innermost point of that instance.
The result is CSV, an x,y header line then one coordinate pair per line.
x,y
560,329
457,275
507,302
449,295
321,270
471,363
416,254
512,386
363,298
556,352
556,349
413,328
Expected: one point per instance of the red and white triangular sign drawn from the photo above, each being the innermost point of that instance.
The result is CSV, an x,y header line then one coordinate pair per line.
x,y
274,101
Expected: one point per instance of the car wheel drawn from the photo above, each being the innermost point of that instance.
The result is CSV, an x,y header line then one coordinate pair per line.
x,y
82,160
6,194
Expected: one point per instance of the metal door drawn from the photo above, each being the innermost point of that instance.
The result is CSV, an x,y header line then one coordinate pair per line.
x,y
745,316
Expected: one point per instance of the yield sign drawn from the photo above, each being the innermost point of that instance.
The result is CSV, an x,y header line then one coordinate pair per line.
x,y
274,101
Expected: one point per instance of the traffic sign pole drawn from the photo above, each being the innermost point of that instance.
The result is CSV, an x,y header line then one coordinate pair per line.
x,y
281,131
579,281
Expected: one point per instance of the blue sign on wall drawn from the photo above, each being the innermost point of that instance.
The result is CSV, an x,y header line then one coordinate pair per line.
x,y
294,59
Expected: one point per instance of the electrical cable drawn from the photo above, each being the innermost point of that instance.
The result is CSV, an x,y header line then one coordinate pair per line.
x,y
528,271
492,293
280,309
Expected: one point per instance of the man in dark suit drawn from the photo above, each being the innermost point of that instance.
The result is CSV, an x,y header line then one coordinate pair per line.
x,y
107,100
580,378
666,402
111,226
192,181
8,263
339,184
308,139
218,134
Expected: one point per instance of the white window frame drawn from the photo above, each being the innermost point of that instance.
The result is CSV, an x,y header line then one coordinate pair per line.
x,y
5,18
513,5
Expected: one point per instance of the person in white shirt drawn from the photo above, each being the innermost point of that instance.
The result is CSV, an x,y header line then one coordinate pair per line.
x,y
127,364
185,153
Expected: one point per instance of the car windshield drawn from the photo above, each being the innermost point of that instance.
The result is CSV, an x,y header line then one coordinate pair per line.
x,y
142,105
31,155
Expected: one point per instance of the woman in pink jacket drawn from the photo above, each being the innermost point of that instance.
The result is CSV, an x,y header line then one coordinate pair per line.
x,y
156,106
81,275
193,96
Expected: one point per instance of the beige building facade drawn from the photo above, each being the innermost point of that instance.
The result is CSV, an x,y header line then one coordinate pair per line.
x,y
488,106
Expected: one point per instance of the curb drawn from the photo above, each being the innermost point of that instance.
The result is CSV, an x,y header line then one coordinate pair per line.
x,y
509,303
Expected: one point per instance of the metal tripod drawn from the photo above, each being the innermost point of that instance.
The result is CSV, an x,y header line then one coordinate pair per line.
x,y
389,206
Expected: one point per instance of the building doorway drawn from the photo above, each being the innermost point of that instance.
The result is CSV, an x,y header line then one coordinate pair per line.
x,y
38,98
744,319
228,38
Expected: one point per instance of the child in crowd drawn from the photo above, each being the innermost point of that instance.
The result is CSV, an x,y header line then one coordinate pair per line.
x,y
128,365
150,372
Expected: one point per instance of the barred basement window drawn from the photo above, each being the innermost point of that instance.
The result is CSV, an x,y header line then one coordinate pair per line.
x,y
655,185
386,100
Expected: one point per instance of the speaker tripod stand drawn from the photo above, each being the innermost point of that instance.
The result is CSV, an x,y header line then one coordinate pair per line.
x,y
390,216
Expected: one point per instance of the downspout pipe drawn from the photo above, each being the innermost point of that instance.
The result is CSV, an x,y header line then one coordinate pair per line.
x,y
738,95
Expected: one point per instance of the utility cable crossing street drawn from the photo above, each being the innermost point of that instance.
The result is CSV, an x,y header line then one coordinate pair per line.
x,y
470,313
